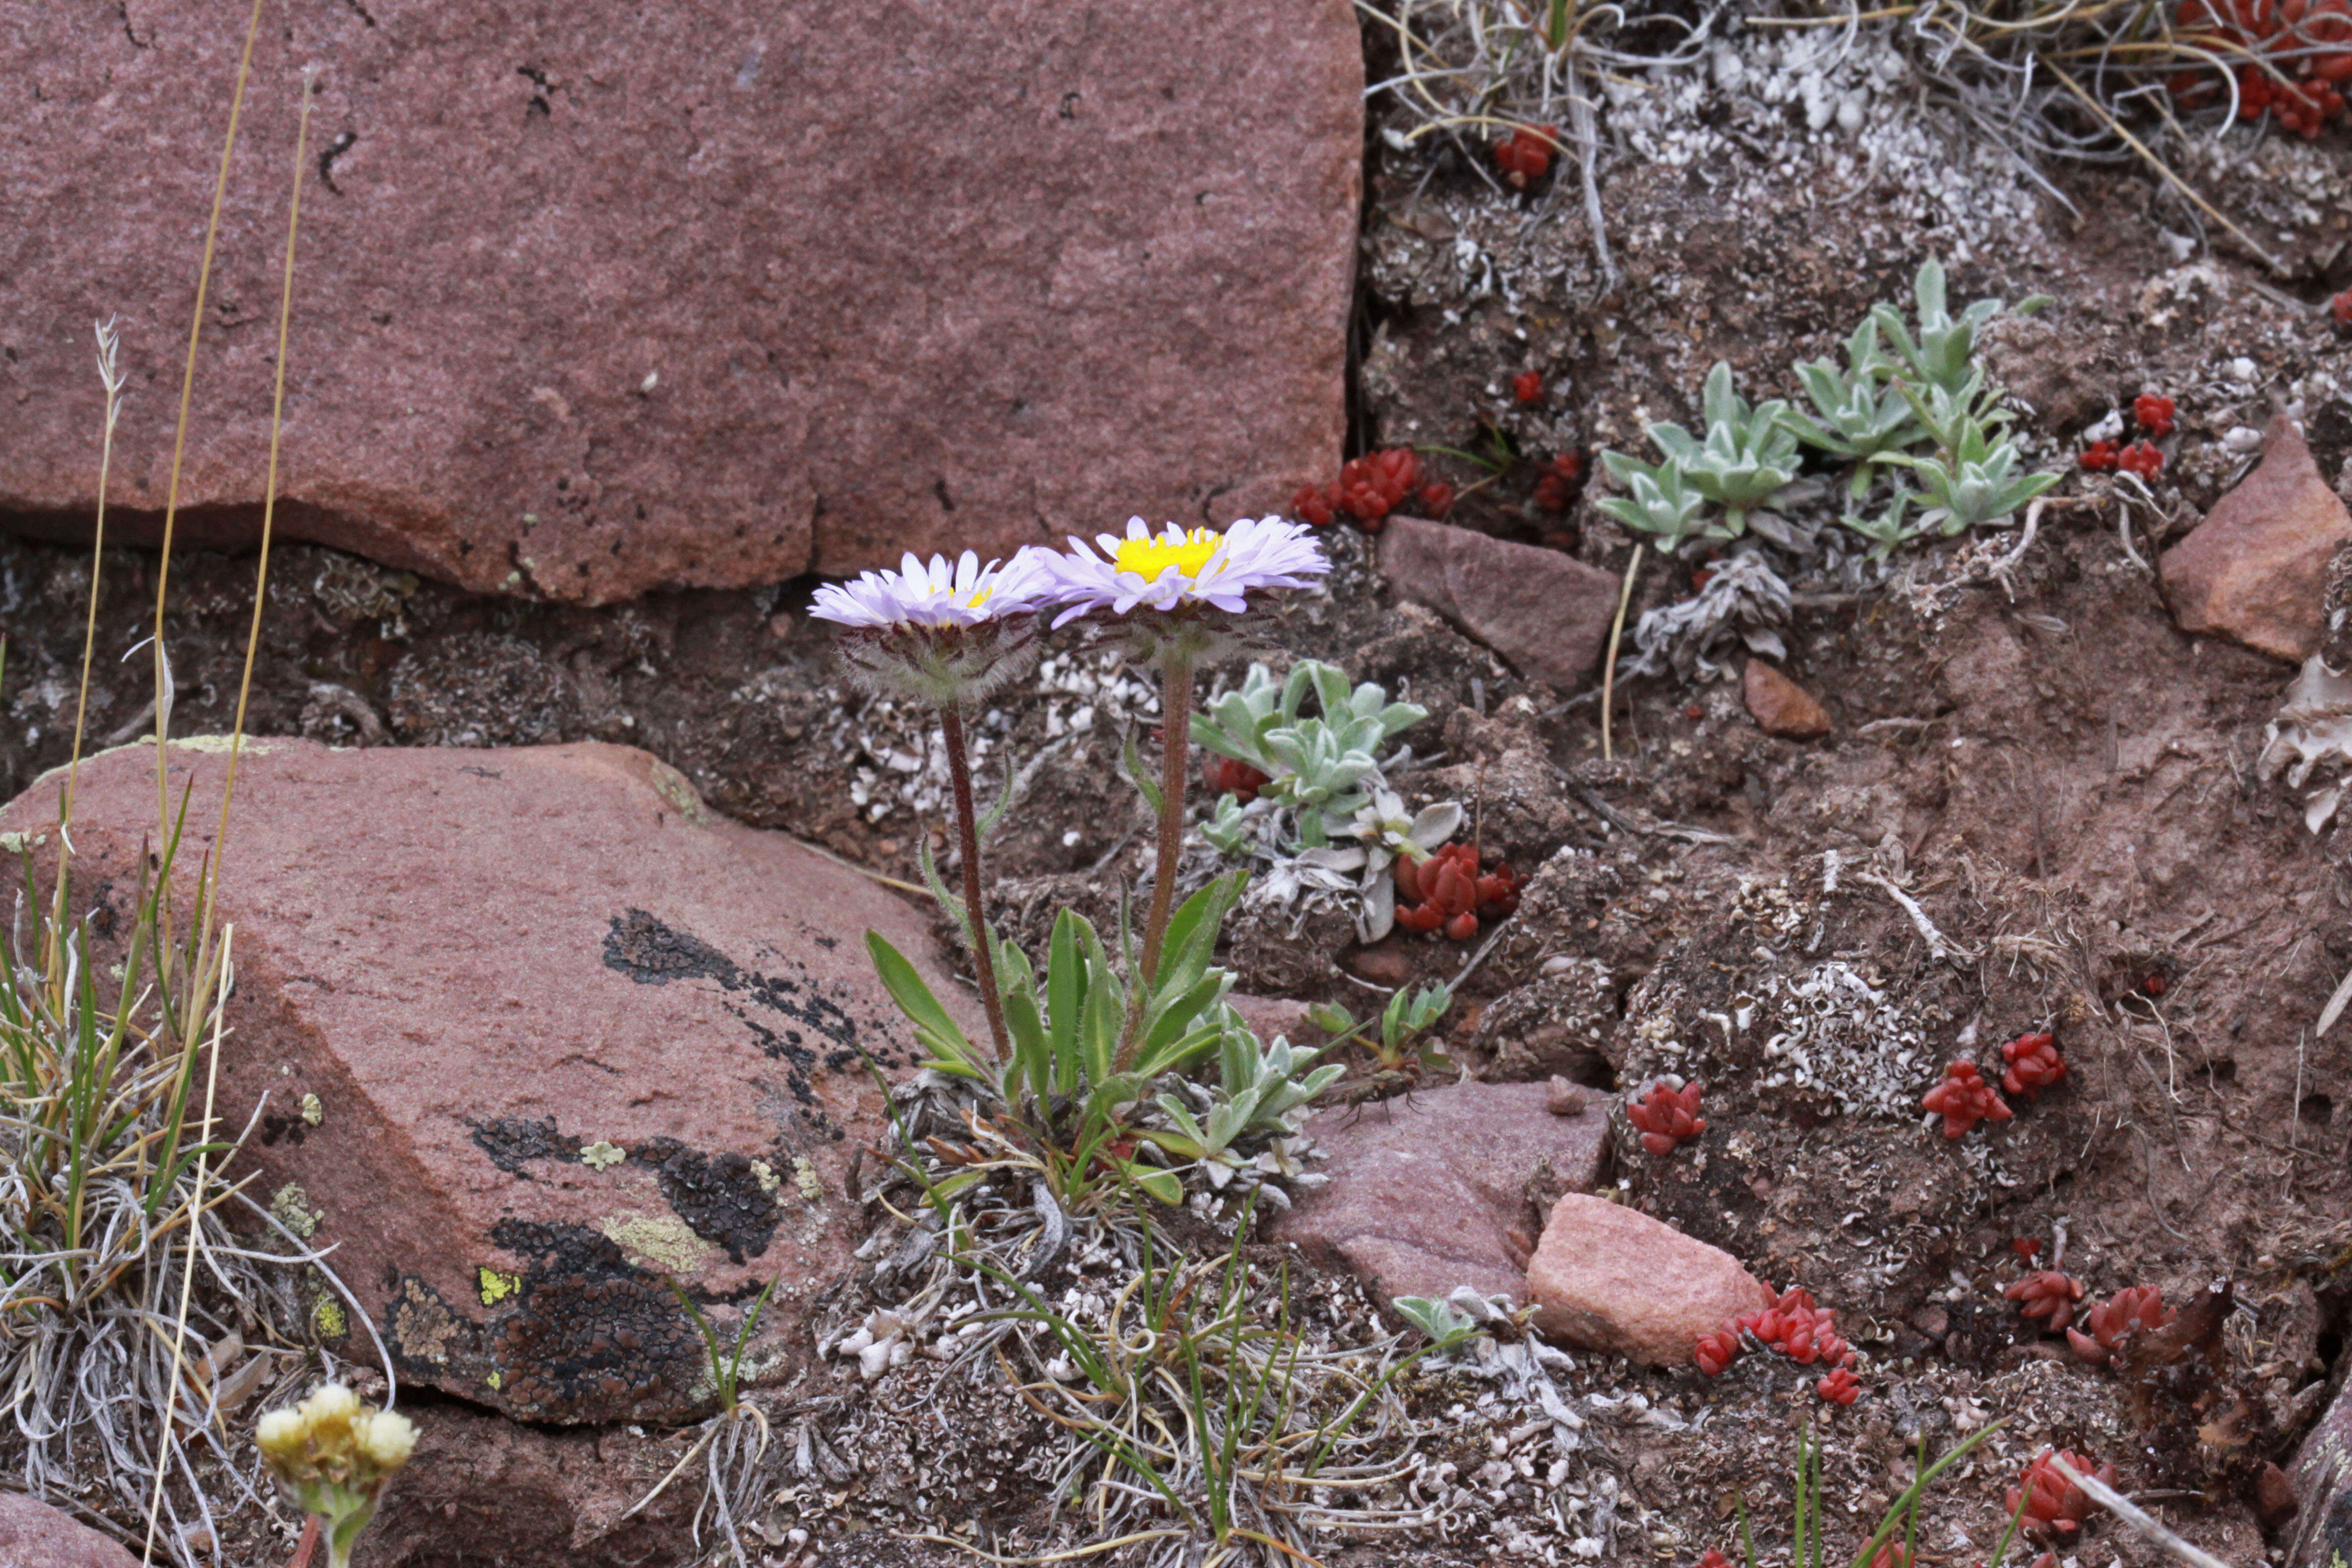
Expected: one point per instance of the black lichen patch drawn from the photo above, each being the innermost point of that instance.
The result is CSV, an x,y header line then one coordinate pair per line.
x,y
781,1014
592,1337
719,1196
431,1342
511,1140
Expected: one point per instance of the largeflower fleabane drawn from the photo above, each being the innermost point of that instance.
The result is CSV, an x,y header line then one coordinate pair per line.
x,y
1178,567
964,595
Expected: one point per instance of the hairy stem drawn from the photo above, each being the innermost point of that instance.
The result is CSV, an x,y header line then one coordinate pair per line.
x,y
1175,757
968,842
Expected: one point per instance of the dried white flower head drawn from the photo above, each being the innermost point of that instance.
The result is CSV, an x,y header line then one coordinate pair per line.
x,y
1179,569
335,1455
939,634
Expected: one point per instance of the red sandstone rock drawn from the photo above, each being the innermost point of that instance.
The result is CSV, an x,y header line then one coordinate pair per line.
x,y
1781,706
1612,1278
568,1032
599,297
35,1535
1425,1195
1546,611
2255,570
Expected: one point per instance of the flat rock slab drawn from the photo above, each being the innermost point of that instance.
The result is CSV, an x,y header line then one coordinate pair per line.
x,y
599,297
35,1535
2255,571
528,1031
1546,613
1612,1278
1444,1189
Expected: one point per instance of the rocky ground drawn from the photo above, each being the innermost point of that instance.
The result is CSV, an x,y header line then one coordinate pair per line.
x,y
2039,803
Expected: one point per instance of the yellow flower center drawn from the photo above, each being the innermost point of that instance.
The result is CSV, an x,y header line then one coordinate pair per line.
x,y
1149,558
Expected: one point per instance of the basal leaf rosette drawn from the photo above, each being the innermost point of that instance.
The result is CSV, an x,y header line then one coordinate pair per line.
x,y
941,634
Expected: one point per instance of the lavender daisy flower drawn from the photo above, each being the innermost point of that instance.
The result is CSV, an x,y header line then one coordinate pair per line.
x,y
941,635
1177,568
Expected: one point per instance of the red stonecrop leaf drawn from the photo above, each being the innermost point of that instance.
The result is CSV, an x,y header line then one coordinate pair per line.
x,y
2055,1505
2140,458
1524,156
1963,1098
1448,892
1314,505
2047,1294
2340,308
1714,1559
1555,483
1839,1388
1894,1554
1228,775
2099,456
2153,414
2034,1064
1436,498
2134,1308
1666,1118
1528,387
1714,1351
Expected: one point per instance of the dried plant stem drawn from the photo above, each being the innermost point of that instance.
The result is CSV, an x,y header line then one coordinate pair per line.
x,y
1609,665
180,433
180,1370
2148,156
2132,1514
111,377
967,845
1175,759
268,486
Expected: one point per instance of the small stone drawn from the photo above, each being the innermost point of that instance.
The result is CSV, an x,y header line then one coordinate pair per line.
x,y
2255,570
1610,1279
1546,613
1562,1098
1385,964
2275,1502
1425,1192
35,1535
1781,706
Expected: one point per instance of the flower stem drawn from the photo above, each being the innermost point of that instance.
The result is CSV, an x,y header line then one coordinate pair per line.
x,y
1175,757
968,843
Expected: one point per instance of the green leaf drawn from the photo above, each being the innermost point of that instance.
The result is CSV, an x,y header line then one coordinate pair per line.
x,y
933,1027
1032,1057
1065,993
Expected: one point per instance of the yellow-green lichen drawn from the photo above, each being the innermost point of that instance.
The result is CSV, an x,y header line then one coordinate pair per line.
x,y
661,1240
601,1155
313,1109
292,1209
494,1380
766,1174
671,786
18,843
496,1287
329,1320
806,1178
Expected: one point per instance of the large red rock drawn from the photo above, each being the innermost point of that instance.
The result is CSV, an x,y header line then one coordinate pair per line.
x,y
1547,613
35,1535
2255,571
1444,1189
527,1031
1612,1278
596,298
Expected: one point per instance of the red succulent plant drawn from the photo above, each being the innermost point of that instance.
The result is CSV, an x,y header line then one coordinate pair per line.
x,y
1524,156
1448,892
1666,1118
2340,308
2048,1295
2154,414
2291,57
1230,776
2099,456
2140,458
1839,1388
1556,482
1436,498
1963,1098
2053,1504
2034,1064
1528,387
2133,1308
